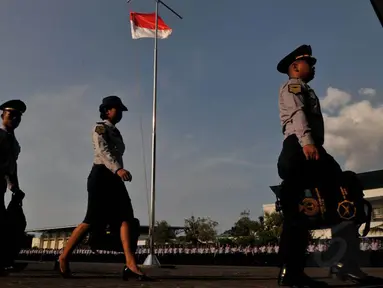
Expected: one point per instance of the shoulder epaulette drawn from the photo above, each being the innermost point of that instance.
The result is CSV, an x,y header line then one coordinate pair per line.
x,y
100,128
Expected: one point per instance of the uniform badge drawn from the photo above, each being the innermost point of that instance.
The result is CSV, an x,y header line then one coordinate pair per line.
x,y
309,207
100,129
295,88
346,210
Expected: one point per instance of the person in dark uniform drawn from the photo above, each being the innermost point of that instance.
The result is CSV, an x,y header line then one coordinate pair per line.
x,y
107,194
10,150
302,160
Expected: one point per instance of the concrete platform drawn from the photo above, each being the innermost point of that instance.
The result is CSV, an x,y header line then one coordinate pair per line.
x,y
97,275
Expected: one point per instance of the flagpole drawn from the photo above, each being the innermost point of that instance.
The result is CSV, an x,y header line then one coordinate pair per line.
x,y
152,260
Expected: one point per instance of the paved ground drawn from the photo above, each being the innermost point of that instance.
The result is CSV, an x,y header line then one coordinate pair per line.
x,y
96,275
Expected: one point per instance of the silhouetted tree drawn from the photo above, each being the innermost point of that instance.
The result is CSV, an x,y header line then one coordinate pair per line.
x,y
163,232
200,229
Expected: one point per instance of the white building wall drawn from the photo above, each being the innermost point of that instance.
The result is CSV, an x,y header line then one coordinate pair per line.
x,y
268,208
373,193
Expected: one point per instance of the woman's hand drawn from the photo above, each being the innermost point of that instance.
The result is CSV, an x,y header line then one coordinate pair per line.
x,y
125,175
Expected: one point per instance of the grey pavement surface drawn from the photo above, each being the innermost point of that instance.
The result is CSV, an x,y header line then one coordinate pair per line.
x,y
95,275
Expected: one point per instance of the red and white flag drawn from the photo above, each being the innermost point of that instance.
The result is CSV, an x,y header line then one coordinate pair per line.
x,y
143,25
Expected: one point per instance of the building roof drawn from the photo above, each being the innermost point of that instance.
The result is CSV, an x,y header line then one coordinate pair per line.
x,y
370,180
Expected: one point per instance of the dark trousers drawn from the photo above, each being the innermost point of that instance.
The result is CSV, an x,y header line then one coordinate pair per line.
x,y
297,174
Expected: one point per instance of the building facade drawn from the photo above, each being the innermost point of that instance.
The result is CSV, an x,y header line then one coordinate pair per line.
x,y
57,237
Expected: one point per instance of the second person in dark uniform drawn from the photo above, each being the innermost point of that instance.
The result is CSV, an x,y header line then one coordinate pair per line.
x,y
9,153
303,159
107,194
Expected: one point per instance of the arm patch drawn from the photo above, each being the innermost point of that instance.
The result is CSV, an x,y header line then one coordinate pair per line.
x,y
100,129
295,88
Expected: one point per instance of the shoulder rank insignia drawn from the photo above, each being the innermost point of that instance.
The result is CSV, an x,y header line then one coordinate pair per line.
x,y
295,88
100,129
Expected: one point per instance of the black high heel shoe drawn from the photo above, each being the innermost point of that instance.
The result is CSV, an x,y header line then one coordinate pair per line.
x,y
127,273
66,273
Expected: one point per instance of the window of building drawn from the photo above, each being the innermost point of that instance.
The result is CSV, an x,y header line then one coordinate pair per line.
x,y
377,213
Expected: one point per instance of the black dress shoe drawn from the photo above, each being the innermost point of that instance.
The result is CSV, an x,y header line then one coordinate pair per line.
x,y
127,273
287,278
362,279
366,280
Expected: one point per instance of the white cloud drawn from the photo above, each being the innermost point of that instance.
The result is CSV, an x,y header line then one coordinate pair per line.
x,y
367,92
354,131
335,99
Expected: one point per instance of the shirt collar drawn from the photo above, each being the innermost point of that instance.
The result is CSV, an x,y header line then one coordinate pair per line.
x,y
5,129
110,124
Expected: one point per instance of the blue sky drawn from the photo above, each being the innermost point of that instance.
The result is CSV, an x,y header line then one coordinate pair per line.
x,y
218,125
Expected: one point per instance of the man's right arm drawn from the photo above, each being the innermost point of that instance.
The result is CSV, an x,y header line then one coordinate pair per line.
x,y
293,103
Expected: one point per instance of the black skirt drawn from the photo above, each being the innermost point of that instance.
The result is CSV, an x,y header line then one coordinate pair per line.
x,y
108,198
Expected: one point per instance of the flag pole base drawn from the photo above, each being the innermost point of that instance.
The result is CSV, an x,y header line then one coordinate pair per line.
x,y
151,261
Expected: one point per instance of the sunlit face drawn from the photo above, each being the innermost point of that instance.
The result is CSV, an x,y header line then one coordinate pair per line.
x,y
11,119
306,70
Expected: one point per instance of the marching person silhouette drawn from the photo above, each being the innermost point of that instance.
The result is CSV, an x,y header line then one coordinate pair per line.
x,y
303,160
107,195
9,154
